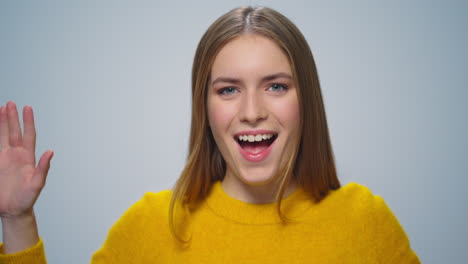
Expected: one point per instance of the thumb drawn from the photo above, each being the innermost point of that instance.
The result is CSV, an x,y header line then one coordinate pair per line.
x,y
42,169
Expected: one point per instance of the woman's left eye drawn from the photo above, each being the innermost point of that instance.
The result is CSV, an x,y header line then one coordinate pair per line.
x,y
276,87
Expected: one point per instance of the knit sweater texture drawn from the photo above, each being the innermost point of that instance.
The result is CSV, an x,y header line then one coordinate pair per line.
x,y
350,225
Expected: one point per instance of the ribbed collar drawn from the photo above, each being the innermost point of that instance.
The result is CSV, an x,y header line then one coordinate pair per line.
x,y
225,206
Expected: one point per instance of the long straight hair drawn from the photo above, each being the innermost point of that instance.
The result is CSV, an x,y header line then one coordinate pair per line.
x,y
311,162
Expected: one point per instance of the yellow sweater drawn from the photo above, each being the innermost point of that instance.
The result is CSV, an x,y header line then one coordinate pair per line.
x,y
351,225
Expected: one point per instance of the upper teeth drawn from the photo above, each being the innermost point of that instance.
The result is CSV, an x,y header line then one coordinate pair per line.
x,y
252,138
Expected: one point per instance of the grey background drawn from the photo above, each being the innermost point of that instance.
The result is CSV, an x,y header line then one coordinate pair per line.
x,y
110,85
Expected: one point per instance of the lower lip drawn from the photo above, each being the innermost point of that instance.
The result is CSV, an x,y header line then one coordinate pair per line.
x,y
256,157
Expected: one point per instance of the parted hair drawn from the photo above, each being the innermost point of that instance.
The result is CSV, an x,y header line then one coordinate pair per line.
x,y
311,162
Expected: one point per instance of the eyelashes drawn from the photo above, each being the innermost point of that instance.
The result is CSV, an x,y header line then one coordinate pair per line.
x,y
283,87
274,87
227,90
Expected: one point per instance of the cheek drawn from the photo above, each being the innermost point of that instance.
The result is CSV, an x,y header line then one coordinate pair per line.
x,y
288,113
220,115
292,114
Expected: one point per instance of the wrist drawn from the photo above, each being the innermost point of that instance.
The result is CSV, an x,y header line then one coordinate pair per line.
x,y
19,232
17,219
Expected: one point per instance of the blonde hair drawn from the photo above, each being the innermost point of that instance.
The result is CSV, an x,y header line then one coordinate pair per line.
x,y
311,161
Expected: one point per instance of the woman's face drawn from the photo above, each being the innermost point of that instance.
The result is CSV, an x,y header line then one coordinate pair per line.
x,y
253,109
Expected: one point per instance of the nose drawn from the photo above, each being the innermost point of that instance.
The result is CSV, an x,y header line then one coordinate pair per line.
x,y
252,109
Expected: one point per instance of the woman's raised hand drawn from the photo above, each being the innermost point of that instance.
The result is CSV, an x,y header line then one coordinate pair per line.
x,y
21,180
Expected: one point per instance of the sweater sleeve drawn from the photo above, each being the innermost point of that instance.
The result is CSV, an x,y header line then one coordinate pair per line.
x,y
390,241
32,255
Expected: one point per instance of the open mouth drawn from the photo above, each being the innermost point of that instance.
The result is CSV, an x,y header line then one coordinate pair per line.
x,y
255,144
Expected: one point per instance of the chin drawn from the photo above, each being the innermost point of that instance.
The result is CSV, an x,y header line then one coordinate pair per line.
x,y
256,176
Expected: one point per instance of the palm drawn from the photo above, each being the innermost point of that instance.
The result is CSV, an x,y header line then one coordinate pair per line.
x,y
20,180
16,170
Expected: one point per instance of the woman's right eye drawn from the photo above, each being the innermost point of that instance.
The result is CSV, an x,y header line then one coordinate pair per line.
x,y
227,91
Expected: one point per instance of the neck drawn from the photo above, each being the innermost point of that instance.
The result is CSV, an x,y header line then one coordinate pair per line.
x,y
254,193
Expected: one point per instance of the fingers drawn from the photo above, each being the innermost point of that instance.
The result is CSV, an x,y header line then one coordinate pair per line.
x,y
4,138
14,128
42,169
10,130
29,136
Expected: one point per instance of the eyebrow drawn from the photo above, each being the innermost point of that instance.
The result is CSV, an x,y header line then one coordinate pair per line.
x,y
264,79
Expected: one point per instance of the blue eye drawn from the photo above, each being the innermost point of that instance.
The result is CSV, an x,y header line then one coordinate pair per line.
x,y
227,91
276,87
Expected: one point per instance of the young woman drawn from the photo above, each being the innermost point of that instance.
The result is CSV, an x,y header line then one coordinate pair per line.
x,y
260,183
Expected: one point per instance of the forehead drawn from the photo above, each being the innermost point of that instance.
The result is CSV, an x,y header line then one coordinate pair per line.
x,y
250,55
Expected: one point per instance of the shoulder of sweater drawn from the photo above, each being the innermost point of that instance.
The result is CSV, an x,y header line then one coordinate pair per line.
x,y
142,221
151,205
357,199
156,199
371,217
